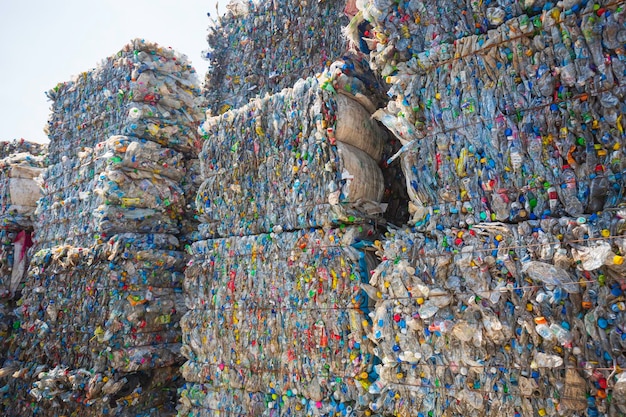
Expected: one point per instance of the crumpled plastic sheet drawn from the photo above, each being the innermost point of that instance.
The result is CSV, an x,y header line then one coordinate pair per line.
x,y
276,164
261,47
352,76
110,312
400,30
123,185
144,90
277,321
523,123
500,319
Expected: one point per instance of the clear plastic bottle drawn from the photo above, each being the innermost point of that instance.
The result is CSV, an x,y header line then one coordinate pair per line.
x,y
569,192
543,329
563,335
598,191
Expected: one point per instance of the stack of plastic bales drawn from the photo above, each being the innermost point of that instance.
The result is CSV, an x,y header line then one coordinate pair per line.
x,y
508,113
261,47
21,163
276,323
99,321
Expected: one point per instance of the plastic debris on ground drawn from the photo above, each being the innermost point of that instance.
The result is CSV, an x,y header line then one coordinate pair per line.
x,y
145,90
302,158
261,47
276,324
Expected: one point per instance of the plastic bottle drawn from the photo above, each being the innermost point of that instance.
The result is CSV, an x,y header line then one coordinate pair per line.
x,y
598,190
543,329
563,335
569,192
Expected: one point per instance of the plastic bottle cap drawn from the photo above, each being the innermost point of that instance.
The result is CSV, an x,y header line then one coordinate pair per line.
x,y
540,320
618,260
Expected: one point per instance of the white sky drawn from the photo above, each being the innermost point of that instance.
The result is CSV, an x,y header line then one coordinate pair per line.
x,y
44,42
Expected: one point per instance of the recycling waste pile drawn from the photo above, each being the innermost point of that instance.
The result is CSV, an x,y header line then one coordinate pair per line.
x,y
522,121
98,322
21,163
302,158
276,324
261,47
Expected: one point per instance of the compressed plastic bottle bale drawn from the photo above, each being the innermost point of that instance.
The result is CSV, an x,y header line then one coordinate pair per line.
x,y
400,31
283,167
124,184
107,315
144,90
265,47
522,141
456,316
280,311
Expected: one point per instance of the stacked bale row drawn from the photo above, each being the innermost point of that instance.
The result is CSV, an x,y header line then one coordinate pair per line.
x,y
99,321
513,116
275,322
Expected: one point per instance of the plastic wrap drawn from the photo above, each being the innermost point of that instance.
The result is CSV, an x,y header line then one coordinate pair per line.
x,y
123,185
523,124
500,319
261,47
277,164
277,316
144,90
